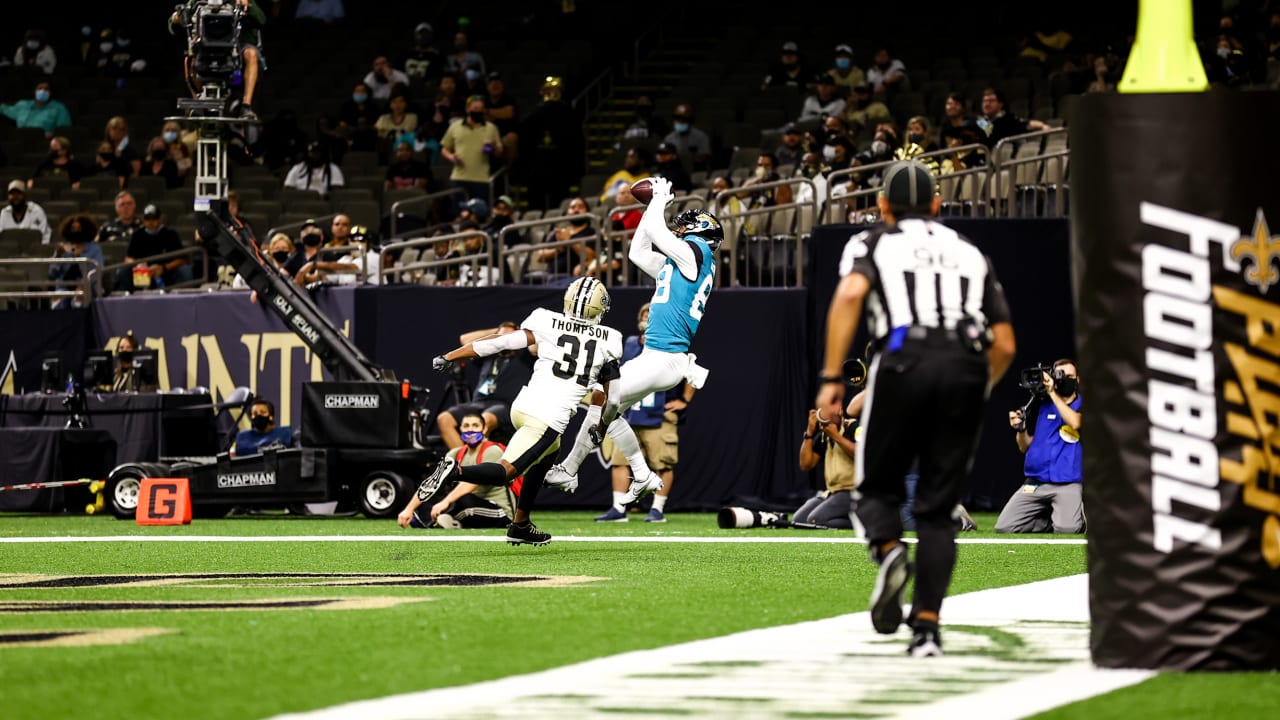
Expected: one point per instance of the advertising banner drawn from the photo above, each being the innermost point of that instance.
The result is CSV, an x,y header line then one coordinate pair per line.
x,y
1176,267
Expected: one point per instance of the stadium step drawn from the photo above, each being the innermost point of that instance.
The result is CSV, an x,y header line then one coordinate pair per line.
x,y
658,73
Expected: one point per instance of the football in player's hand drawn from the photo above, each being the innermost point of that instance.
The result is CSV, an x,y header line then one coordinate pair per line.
x,y
642,191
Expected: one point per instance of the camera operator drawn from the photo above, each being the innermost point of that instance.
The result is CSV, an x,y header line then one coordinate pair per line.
x,y
1050,498
249,45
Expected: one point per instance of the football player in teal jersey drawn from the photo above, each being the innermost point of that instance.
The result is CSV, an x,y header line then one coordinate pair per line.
x,y
682,259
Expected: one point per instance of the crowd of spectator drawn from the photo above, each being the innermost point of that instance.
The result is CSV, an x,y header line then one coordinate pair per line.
x,y
439,117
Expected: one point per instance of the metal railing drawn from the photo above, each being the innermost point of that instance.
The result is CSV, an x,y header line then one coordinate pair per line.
x,y
839,177
291,229
88,286
516,256
362,271
426,200
195,282
766,256
481,263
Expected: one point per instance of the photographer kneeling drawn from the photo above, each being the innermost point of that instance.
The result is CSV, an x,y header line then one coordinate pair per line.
x,y
1050,498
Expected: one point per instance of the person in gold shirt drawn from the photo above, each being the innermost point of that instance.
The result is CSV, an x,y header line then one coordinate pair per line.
x,y
833,441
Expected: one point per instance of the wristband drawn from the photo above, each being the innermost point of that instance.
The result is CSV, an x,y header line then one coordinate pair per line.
x,y
808,436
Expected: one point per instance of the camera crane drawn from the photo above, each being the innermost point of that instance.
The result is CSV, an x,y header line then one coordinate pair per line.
x,y
213,58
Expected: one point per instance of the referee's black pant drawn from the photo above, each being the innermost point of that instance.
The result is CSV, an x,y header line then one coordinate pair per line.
x,y
925,401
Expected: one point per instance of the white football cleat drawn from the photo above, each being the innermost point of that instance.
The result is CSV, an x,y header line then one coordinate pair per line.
x,y
558,477
641,487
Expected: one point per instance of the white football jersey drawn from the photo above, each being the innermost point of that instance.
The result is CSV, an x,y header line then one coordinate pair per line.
x,y
570,356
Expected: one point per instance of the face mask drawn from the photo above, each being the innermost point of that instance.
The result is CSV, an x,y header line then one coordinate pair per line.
x,y
105,47
883,65
157,155
151,231
170,137
1066,387
476,117
472,438
642,326
843,63
681,127
809,171
42,96
472,75
125,356
260,423
917,138
829,153
122,42
1224,52
644,111
33,44
280,256
106,156
18,204
761,172
359,98
312,240
879,147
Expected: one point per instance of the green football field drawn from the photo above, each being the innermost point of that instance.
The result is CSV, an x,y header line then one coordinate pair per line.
x,y
262,615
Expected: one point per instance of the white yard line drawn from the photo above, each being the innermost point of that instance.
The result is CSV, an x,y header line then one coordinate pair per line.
x,y
425,537
1012,652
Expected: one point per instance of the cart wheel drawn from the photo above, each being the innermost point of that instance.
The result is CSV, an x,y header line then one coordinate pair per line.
x,y
124,486
382,494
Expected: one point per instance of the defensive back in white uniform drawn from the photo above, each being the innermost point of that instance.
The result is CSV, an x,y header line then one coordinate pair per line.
x,y
570,356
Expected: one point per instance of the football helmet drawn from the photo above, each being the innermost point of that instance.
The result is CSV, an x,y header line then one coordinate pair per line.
x,y
697,221
586,300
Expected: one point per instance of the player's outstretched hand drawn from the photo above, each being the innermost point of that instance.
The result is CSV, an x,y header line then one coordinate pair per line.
x,y
661,192
440,364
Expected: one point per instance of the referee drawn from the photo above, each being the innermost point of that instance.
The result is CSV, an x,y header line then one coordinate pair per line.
x,y
942,337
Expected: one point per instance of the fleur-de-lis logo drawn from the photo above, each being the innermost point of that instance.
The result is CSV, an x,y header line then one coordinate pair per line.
x,y
1262,248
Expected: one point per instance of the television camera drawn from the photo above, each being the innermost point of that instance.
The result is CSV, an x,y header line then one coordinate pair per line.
x,y
1032,380
213,60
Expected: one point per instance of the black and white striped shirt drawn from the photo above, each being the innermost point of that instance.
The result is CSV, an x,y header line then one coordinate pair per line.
x,y
923,273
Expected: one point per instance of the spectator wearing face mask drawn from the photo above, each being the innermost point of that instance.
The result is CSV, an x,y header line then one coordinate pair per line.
x,y
468,505
159,164
471,145
767,172
41,112
263,434
310,238
59,163
844,72
106,164
35,53
687,139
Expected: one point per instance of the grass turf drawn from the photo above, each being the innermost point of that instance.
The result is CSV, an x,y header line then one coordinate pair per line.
x,y
248,663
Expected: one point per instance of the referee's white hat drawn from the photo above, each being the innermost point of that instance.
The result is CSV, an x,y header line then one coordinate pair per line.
x,y
908,185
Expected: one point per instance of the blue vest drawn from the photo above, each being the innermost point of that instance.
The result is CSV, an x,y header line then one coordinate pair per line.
x,y
250,442
678,303
1054,454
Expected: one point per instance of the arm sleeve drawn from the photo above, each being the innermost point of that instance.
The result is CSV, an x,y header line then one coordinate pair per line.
x,y
494,345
